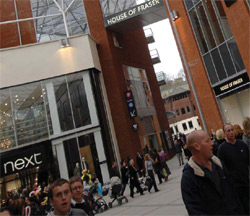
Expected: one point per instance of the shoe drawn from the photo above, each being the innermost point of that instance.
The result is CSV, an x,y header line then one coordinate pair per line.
x,y
142,193
132,196
149,191
157,190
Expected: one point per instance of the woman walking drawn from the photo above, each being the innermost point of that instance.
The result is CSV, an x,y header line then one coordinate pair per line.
x,y
150,171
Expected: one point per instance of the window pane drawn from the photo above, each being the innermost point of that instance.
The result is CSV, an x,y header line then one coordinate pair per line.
x,y
7,136
210,69
189,4
227,60
63,104
206,26
198,32
183,111
218,64
190,123
29,112
78,100
188,109
214,22
236,55
223,20
184,126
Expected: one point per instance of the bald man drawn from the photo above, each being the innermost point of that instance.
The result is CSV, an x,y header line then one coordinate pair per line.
x,y
206,188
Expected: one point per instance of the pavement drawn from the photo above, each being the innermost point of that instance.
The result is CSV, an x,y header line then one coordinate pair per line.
x,y
168,201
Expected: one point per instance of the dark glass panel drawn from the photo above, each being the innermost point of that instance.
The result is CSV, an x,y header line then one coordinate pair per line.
x,y
227,60
210,68
218,64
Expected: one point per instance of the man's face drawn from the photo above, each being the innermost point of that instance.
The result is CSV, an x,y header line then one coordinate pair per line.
x,y
229,133
61,199
77,190
206,146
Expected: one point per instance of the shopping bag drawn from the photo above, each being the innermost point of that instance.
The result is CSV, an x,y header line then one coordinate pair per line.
x,y
164,172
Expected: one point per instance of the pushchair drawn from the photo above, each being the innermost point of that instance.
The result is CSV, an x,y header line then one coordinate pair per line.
x,y
115,194
142,182
98,204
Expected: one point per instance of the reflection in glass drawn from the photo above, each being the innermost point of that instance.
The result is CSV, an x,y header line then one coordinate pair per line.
x,y
78,100
198,32
29,113
227,60
223,20
7,135
210,68
214,22
205,25
236,55
218,64
63,104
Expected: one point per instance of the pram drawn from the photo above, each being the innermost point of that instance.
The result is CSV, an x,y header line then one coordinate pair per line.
x,y
142,182
98,204
115,193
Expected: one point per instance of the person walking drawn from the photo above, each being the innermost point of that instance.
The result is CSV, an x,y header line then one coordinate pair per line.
x,y
246,131
125,175
114,170
235,154
150,172
164,161
77,201
158,167
139,161
134,178
178,151
206,188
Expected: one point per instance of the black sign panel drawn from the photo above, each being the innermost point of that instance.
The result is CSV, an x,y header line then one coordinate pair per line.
x,y
135,126
132,12
131,104
23,160
231,84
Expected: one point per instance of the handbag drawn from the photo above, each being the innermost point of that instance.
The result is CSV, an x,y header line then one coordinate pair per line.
x,y
164,172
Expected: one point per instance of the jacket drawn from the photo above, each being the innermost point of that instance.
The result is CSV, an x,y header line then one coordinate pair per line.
x,y
203,197
73,212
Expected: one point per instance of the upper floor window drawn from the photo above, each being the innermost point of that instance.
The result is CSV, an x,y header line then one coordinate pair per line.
x,y
177,112
183,111
188,109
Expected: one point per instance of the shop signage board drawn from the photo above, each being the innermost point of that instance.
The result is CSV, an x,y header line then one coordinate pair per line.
x,y
132,12
131,104
231,84
23,160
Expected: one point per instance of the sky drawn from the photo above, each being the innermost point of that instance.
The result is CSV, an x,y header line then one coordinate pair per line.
x,y
165,44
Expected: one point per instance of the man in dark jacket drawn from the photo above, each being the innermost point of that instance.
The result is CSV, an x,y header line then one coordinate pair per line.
x,y
206,189
235,154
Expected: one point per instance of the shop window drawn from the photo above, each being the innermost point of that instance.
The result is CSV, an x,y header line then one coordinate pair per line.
x,y
184,125
210,68
205,25
190,124
214,22
116,40
29,111
218,64
189,4
227,60
188,109
79,100
236,55
183,111
223,20
198,32
177,112
176,129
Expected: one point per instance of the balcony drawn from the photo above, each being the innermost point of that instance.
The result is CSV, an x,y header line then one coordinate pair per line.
x,y
149,35
155,56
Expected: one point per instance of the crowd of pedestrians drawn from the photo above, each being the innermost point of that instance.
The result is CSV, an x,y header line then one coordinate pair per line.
x,y
215,179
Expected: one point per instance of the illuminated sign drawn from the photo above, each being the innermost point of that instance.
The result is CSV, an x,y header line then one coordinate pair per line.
x,y
231,84
132,12
131,104
35,157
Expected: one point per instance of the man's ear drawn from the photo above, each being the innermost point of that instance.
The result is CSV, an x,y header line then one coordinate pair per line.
x,y
196,146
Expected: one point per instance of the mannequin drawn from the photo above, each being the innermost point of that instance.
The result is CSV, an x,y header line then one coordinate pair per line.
x,y
77,170
85,165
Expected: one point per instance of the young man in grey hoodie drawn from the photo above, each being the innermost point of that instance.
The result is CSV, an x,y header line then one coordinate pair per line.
x,y
60,198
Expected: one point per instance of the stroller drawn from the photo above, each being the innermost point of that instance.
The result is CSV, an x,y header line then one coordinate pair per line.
x,y
142,182
98,204
115,193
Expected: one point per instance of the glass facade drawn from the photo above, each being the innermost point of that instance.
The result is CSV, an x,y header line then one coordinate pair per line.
x,y
29,112
49,20
215,39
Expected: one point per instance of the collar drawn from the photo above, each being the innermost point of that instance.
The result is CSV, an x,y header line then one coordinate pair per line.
x,y
198,171
74,202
